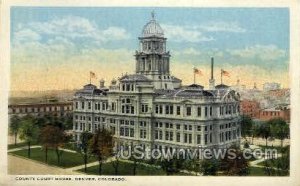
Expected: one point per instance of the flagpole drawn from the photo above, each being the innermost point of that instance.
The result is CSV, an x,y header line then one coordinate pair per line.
x,y
90,78
221,77
194,75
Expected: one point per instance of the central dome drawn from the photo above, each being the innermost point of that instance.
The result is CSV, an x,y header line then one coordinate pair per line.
x,y
152,28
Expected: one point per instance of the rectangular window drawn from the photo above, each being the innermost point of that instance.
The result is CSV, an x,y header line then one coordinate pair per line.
x,y
144,108
167,107
178,137
89,105
198,128
188,111
76,105
190,138
167,135
171,136
143,133
185,127
121,131
178,126
156,134
178,110
167,125
160,135
156,109
210,111
205,138
185,138
199,111
171,109
82,105
206,111
113,106
198,139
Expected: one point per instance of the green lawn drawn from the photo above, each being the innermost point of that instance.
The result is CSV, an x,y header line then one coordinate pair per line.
x,y
68,159
256,171
126,168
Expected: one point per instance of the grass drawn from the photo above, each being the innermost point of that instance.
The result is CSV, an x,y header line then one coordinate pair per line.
x,y
68,159
126,169
256,171
260,171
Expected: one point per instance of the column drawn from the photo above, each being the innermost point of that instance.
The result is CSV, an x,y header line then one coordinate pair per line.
x,y
202,135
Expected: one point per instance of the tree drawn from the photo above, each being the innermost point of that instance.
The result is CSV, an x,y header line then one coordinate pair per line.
x,y
264,131
235,165
191,165
29,131
52,137
14,127
101,145
246,126
209,167
116,153
254,132
279,129
67,121
169,166
85,138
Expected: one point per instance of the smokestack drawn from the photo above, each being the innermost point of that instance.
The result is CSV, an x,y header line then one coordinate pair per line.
x,y
212,68
212,80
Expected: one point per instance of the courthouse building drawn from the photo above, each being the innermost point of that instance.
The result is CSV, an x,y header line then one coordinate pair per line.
x,y
152,108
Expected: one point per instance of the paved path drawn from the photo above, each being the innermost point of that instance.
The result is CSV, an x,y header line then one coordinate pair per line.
x,y
36,146
22,166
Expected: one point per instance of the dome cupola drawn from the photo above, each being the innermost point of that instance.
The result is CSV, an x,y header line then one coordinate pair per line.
x,y
152,28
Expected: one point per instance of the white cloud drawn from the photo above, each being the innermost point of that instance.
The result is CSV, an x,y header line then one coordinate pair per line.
x,y
263,52
184,34
26,35
71,27
220,26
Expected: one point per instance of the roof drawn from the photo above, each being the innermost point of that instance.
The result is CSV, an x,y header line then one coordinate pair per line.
x,y
195,86
185,93
175,79
278,108
90,89
222,86
135,77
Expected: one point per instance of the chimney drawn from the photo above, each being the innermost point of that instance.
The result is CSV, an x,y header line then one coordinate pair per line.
x,y
212,68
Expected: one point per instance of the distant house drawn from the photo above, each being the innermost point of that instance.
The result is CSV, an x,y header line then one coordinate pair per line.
x,y
279,111
250,108
41,109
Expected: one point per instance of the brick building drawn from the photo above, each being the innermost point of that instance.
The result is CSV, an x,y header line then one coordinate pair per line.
x,y
250,108
280,111
41,109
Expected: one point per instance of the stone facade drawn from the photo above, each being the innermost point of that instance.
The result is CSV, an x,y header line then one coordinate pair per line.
x,y
151,107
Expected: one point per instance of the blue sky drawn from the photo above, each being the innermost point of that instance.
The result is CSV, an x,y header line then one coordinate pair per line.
x,y
242,40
